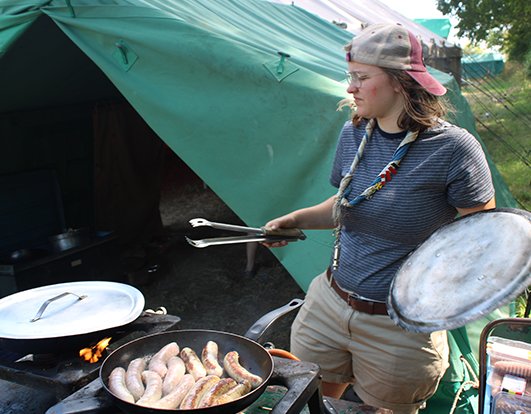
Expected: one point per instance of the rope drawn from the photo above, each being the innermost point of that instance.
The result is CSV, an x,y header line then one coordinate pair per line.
x,y
378,183
474,384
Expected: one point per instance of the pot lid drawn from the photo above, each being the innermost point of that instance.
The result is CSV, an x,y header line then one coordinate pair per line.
x,y
464,270
103,305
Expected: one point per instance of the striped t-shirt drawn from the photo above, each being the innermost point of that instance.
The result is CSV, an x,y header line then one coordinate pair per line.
x,y
445,168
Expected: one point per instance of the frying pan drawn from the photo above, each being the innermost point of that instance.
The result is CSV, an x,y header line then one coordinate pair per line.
x,y
253,356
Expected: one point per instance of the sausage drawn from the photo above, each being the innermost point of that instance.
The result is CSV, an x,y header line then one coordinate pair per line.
x,y
174,375
192,399
193,363
209,357
117,385
217,390
175,397
239,373
234,393
133,377
153,390
159,360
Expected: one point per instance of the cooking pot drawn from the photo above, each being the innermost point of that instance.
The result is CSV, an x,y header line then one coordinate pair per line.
x,y
69,240
66,316
253,356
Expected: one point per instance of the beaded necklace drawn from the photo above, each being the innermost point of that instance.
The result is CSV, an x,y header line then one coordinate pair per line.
x,y
378,183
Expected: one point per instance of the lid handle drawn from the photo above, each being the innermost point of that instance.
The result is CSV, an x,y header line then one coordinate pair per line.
x,y
46,303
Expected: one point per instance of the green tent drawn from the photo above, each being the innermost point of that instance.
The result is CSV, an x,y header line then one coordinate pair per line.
x,y
244,91
481,65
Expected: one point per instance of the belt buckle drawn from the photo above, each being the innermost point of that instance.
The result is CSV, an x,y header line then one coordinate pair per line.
x,y
365,306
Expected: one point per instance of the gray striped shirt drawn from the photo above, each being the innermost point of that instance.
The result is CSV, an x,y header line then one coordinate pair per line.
x,y
445,168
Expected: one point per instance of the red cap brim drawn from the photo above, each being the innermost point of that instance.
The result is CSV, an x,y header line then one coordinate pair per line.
x,y
428,82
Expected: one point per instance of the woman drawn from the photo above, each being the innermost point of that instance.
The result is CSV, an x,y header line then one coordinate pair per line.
x,y
401,173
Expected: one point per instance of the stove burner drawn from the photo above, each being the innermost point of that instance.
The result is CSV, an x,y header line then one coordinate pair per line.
x,y
79,390
67,372
40,359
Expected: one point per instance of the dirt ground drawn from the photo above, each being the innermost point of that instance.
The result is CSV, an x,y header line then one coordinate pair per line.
x,y
209,288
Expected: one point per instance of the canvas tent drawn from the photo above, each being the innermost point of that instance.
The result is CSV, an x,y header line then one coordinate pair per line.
x,y
482,65
212,79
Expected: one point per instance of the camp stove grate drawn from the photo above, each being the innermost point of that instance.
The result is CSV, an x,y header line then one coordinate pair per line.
x,y
78,389
66,372
301,379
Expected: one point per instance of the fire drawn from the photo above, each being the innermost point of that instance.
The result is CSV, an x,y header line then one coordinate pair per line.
x,y
94,353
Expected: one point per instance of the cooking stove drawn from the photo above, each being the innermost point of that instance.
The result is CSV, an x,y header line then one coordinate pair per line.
x,y
293,388
66,372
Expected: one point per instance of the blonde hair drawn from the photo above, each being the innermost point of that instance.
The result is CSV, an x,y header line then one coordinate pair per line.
x,y
422,109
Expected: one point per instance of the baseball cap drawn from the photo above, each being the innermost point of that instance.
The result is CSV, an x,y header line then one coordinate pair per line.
x,y
393,46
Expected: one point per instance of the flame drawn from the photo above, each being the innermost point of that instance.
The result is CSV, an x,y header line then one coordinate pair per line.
x,y
93,354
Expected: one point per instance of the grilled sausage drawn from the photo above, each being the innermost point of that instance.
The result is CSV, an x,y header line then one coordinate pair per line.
x,y
239,373
153,390
193,398
217,390
193,363
175,397
118,387
158,361
174,375
209,357
133,377
234,393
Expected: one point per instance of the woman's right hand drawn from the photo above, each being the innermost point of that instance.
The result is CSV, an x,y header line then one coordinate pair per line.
x,y
284,222
315,217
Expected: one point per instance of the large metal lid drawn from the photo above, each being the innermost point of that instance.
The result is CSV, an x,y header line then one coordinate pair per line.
x,y
103,305
464,270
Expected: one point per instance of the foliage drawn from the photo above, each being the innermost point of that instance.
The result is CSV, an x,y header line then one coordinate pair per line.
x,y
499,23
521,303
472,49
501,106
527,63
503,132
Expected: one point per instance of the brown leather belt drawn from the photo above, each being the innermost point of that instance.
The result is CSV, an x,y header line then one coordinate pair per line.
x,y
365,306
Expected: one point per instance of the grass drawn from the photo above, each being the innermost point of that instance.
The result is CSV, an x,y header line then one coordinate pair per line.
x,y
502,109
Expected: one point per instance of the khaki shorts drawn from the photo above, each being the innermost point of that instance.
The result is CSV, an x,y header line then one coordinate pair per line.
x,y
388,366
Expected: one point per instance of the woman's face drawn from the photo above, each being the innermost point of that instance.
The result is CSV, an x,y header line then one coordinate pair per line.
x,y
374,92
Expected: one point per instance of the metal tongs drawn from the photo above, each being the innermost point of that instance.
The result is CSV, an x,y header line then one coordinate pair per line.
x,y
254,234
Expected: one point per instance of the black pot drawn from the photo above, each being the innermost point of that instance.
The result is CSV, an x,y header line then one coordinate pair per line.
x,y
69,240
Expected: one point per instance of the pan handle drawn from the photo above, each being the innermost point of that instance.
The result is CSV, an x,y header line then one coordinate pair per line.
x,y
259,328
46,303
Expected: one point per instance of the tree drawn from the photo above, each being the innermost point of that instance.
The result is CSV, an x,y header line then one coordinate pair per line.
x,y
504,23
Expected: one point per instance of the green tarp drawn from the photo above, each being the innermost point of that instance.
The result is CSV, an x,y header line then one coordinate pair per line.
x,y
441,27
257,126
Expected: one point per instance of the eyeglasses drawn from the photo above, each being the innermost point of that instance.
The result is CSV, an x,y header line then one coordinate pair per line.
x,y
356,80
